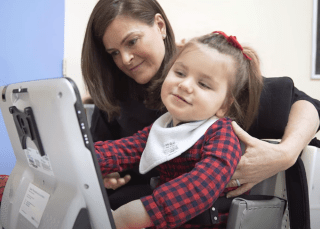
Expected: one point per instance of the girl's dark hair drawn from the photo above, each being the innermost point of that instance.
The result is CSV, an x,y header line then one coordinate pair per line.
x,y
244,87
106,83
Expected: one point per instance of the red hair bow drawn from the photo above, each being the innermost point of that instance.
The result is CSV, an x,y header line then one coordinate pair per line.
x,y
233,41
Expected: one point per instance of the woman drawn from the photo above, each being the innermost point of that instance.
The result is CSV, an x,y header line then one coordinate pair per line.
x,y
126,46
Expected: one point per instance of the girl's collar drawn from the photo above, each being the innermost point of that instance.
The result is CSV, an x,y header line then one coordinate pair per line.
x,y
170,124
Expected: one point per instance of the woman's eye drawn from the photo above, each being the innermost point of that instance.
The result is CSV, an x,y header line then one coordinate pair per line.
x,y
132,42
204,85
113,54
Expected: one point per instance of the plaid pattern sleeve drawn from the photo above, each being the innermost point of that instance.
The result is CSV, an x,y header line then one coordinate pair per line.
x,y
119,155
3,181
175,202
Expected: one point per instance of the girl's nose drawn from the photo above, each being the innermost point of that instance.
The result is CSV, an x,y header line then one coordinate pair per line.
x,y
186,85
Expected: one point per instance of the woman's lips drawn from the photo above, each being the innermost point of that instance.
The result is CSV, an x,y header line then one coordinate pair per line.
x,y
134,68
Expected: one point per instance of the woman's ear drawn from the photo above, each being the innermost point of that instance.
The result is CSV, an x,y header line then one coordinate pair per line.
x,y
161,24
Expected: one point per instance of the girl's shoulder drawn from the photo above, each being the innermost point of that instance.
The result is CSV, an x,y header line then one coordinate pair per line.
x,y
222,122
222,126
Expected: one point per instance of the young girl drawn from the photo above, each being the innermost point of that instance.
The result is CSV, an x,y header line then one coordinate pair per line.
x,y
212,81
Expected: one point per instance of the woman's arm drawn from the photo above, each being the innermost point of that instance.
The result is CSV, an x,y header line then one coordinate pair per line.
x,y
263,160
302,126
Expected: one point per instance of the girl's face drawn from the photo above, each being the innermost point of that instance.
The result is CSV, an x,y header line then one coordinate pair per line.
x,y
137,48
196,85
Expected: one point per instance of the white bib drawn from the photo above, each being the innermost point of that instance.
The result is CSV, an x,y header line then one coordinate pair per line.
x,y
164,144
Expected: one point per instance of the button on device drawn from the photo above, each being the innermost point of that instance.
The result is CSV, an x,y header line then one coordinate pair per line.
x,y
81,115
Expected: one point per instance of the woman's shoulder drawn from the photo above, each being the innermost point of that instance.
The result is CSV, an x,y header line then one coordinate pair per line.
x,y
277,84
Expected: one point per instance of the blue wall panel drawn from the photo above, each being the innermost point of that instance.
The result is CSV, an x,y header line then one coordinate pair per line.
x,y
31,47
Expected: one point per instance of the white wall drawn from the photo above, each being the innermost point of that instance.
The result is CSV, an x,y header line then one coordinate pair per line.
x,y
77,13
280,31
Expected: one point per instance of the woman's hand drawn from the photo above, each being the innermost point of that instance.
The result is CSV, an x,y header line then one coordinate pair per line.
x,y
263,160
260,161
114,181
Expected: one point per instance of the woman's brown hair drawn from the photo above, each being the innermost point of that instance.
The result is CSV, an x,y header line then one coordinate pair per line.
x,y
245,86
106,83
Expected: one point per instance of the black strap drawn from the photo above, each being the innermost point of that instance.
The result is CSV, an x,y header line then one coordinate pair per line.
x,y
298,198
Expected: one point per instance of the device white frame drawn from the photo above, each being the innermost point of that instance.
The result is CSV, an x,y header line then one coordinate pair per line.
x,y
314,40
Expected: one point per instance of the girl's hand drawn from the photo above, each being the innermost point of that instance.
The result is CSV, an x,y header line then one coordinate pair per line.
x,y
260,161
114,181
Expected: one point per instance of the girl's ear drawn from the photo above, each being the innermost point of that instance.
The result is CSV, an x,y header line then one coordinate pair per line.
x,y
221,112
161,24
224,108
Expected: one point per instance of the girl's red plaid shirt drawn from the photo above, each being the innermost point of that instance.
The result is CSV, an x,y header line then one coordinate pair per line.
x,y
189,183
3,181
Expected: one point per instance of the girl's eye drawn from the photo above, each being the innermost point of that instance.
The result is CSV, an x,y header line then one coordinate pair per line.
x,y
204,85
180,74
132,42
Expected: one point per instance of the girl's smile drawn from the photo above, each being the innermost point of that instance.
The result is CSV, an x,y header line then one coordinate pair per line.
x,y
180,98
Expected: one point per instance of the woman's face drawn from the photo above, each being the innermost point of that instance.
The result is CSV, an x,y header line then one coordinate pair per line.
x,y
137,48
